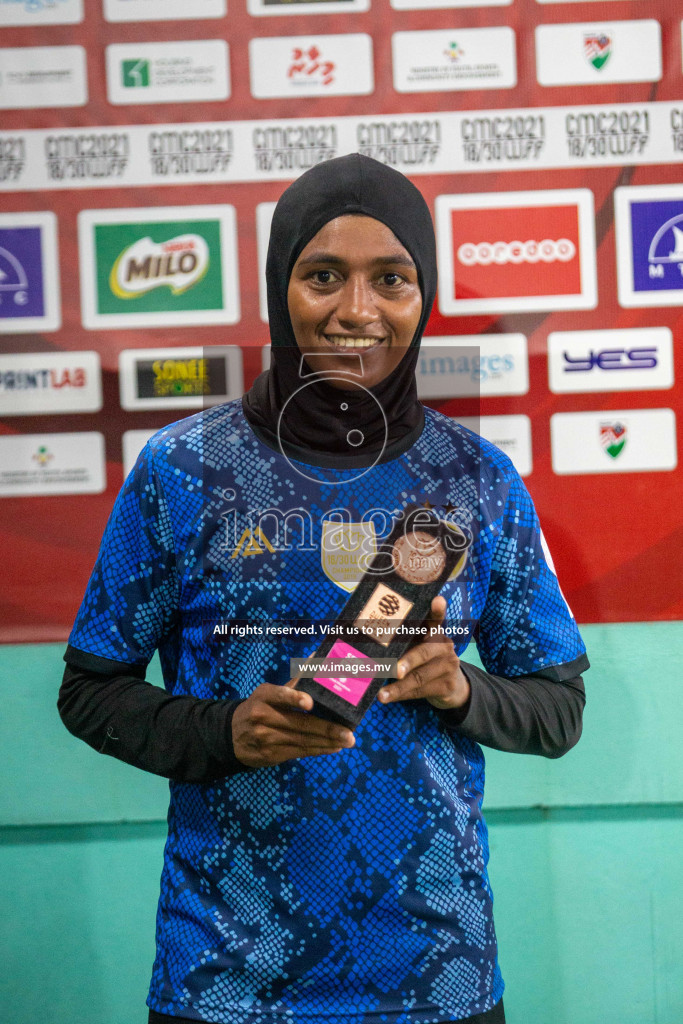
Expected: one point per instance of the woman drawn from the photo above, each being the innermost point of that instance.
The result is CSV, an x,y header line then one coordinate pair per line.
x,y
311,873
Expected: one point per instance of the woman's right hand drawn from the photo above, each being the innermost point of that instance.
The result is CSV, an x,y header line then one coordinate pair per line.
x,y
269,727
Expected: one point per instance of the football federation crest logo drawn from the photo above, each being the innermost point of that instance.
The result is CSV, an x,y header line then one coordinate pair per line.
x,y
613,438
597,49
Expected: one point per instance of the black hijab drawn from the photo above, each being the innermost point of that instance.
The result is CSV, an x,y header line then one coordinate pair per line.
x,y
389,414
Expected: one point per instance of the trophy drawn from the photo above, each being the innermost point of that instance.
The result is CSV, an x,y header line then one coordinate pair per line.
x,y
385,613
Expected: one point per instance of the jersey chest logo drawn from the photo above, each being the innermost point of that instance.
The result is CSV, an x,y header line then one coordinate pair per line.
x,y
346,549
252,542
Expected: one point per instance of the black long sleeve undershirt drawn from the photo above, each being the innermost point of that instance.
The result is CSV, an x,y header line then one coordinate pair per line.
x,y
189,739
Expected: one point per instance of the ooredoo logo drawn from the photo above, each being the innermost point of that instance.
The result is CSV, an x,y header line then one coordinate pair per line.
x,y
516,251
546,251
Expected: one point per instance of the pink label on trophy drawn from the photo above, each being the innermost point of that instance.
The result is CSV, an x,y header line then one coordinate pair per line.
x,y
350,688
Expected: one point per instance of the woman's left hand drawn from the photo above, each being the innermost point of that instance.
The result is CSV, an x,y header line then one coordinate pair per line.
x,y
430,670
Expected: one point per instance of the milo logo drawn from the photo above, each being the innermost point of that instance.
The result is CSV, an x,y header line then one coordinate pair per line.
x,y
177,264
158,266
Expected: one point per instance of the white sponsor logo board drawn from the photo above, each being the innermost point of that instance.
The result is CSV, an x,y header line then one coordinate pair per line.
x,y
649,240
591,53
571,1
300,66
628,359
132,443
180,378
264,216
168,72
473,365
259,8
447,60
426,5
41,12
42,383
163,10
157,266
613,441
512,434
33,77
29,273
46,464
493,246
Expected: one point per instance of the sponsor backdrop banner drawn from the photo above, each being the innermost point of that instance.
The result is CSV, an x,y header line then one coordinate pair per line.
x,y
143,144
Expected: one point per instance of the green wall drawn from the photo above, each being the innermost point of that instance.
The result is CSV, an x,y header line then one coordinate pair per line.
x,y
586,853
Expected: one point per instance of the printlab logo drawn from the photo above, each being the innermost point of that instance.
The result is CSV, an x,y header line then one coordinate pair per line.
x,y
29,296
41,383
516,251
597,48
613,438
135,74
159,270
310,67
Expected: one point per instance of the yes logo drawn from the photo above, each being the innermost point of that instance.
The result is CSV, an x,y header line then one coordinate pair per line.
x,y
158,266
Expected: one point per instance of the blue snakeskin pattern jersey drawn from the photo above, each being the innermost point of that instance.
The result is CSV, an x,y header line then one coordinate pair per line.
x,y
351,887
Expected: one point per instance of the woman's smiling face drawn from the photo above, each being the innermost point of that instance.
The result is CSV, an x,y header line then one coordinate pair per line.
x,y
354,300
